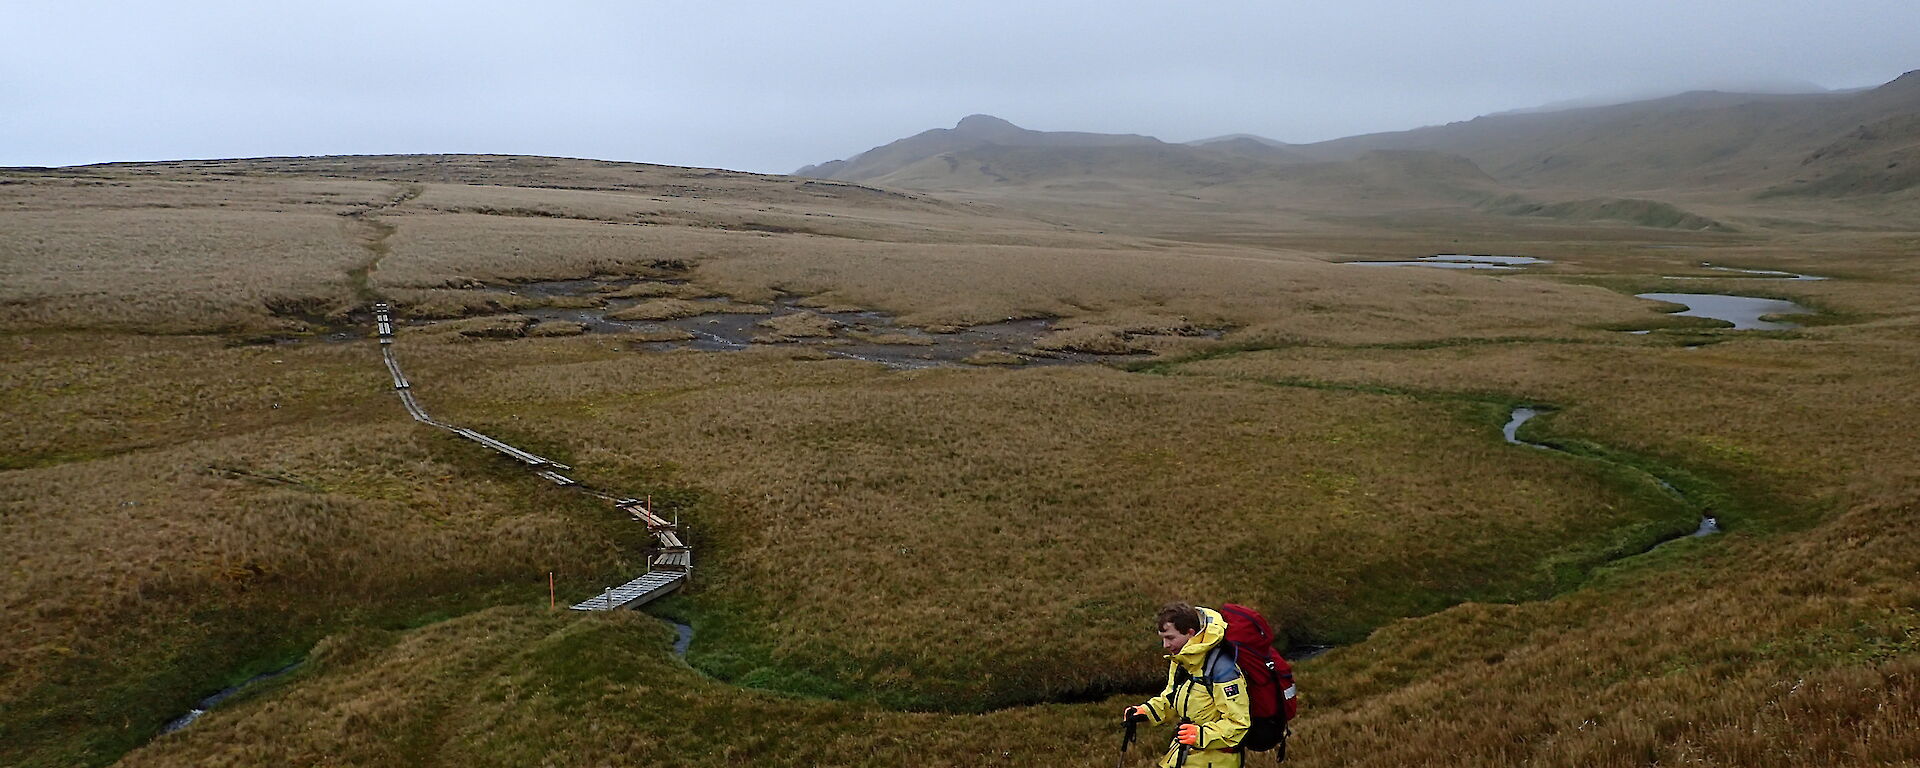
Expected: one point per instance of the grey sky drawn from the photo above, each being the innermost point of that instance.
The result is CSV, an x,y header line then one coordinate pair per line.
x,y
770,86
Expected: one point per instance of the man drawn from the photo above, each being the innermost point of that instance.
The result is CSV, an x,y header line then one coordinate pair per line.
x,y
1205,691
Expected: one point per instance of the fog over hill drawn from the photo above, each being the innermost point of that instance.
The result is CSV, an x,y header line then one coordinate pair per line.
x,y
1836,144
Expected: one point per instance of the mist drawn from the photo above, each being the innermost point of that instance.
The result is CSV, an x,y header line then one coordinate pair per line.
x,y
765,86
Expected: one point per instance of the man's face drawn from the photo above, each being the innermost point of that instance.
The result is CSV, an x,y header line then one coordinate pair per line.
x,y
1172,639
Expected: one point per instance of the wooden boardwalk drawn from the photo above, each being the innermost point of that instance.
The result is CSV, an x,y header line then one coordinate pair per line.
x,y
669,564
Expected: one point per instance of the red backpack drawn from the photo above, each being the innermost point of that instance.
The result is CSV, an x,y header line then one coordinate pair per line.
x,y
1270,690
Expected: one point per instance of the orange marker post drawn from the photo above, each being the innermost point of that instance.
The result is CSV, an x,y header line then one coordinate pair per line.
x,y
552,602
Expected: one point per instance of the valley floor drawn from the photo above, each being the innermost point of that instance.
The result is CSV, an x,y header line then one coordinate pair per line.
x,y
206,475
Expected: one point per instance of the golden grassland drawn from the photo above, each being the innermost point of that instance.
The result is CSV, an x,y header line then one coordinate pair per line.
x,y
175,255
181,511
505,687
1770,409
1025,501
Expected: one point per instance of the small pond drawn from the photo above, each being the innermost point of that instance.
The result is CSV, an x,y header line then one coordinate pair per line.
x,y
1744,312
1459,261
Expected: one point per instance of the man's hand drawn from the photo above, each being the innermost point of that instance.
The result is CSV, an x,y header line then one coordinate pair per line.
x,y
1133,713
1189,734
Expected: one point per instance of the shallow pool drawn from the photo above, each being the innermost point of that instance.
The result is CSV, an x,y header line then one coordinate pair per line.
x,y
1744,312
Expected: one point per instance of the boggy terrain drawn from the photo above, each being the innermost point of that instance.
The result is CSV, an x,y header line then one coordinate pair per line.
x,y
206,475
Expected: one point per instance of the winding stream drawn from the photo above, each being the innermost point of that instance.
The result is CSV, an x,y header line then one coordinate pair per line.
x,y
683,638
1770,274
1522,414
208,703
1511,431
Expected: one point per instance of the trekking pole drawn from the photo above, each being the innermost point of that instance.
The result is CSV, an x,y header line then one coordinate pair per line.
x,y
1127,738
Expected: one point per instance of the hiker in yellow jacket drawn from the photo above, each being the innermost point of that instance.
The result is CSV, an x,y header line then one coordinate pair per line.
x,y
1205,692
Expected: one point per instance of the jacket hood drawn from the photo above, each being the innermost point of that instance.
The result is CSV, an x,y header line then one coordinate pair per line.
x,y
1213,629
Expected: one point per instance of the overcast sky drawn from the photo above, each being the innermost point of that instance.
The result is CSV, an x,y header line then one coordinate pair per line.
x,y
770,86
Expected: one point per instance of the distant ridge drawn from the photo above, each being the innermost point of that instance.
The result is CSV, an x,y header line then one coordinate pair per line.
x,y
1776,87
1825,143
1697,140
1238,137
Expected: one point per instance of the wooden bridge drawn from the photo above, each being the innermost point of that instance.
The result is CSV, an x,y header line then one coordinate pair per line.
x,y
669,563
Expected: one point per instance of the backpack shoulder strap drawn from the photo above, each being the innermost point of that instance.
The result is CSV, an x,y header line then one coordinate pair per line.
x,y
1221,664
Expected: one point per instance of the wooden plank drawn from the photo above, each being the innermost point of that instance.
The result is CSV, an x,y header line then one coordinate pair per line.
x,y
678,561
642,590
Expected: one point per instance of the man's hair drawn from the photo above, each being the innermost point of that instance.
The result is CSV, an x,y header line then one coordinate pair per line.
x,y
1184,618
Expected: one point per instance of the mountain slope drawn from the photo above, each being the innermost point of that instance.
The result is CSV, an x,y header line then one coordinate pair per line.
x,y
1831,144
1692,140
1876,158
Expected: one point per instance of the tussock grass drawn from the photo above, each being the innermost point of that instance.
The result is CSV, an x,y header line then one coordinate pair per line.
x,y
218,508
435,304
1797,665
556,328
906,339
993,357
1098,340
798,325
669,309
494,327
652,290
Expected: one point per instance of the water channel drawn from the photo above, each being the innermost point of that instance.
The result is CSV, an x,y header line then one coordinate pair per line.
x,y
1522,414
682,638
223,694
1770,274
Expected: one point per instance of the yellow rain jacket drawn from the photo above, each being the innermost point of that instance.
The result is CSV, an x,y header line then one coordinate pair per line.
x,y
1204,686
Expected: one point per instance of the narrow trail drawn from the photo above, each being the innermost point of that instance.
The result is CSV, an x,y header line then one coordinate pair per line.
x,y
670,563
360,278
